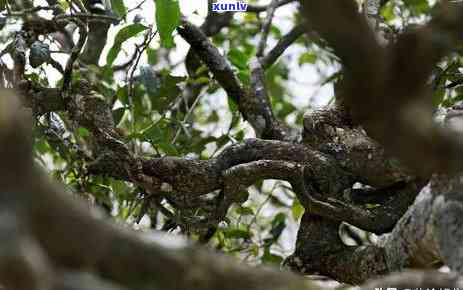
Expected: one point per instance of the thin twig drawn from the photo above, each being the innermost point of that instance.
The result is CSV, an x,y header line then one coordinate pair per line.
x,y
266,28
187,116
127,64
80,5
67,77
149,36
56,65
132,9
282,45
87,16
30,11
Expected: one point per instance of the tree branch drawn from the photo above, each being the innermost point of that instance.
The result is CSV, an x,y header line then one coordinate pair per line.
x,y
283,43
266,28
370,74
67,76
62,225
255,111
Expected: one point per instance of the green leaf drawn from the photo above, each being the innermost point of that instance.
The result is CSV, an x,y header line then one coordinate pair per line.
x,y
237,234
167,148
121,189
62,3
438,97
297,210
269,258
118,114
307,58
41,146
121,94
449,102
388,12
119,7
83,132
232,105
243,210
244,76
158,132
239,136
124,34
278,225
167,90
167,19
254,250
238,58
152,56
201,81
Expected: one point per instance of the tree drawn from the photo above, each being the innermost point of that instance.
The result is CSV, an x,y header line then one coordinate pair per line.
x,y
132,138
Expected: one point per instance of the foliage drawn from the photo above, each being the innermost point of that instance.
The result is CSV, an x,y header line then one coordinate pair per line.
x,y
167,19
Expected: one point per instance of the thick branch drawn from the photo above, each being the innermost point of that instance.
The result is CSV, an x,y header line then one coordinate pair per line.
x,y
73,238
398,86
256,111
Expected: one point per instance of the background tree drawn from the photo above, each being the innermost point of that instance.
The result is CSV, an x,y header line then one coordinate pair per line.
x,y
130,127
